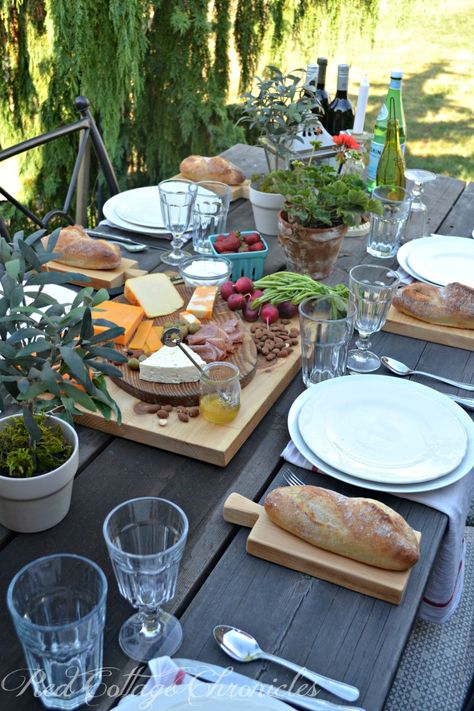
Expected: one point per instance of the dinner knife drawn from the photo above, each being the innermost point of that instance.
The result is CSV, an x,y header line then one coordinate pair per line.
x,y
119,238
223,675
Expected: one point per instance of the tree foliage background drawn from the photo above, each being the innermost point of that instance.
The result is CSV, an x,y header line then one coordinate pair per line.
x,y
156,73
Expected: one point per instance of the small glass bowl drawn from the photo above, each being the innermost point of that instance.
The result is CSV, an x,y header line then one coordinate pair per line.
x,y
205,270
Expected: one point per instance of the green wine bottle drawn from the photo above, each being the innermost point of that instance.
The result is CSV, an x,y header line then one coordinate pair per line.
x,y
380,128
391,167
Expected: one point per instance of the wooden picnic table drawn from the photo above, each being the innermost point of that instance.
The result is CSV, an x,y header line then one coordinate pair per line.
x,y
330,629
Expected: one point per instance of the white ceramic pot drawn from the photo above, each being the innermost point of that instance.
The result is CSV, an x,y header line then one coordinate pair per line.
x,y
40,502
266,207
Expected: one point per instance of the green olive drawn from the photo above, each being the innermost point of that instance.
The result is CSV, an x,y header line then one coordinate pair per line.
x,y
133,364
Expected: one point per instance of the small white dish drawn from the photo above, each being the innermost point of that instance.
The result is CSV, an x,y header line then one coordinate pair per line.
x,y
202,270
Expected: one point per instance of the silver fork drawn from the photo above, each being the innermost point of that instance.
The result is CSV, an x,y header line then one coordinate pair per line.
x,y
292,479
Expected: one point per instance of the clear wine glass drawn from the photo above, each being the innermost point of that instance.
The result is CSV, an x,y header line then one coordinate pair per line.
x,y
371,291
417,222
177,198
145,538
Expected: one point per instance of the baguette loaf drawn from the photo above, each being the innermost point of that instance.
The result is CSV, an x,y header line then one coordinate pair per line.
x,y
362,529
76,249
451,305
216,168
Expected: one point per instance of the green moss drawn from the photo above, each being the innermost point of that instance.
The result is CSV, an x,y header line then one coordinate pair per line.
x,y
18,459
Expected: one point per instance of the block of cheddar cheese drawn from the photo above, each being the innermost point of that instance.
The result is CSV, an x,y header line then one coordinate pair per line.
x,y
201,303
141,334
154,293
124,315
153,342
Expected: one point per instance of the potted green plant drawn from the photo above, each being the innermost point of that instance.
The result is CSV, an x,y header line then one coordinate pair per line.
x,y
319,206
276,110
50,362
266,203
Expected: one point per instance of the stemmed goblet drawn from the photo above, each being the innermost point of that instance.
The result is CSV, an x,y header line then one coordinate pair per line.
x,y
417,222
177,198
145,538
372,289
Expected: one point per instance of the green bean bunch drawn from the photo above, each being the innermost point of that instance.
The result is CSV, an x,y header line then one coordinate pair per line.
x,y
289,286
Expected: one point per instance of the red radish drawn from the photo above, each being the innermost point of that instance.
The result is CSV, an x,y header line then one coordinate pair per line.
x,y
269,313
249,314
227,289
244,285
235,302
255,294
287,309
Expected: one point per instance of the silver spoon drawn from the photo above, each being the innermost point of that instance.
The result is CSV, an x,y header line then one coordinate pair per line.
x,y
401,369
244,648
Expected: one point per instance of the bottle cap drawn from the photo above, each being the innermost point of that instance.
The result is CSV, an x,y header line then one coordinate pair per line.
x,y
312,71
396,74
343,70
322,60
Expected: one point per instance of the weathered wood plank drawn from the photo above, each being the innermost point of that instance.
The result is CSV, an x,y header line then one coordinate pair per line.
x,y
324,627
459,220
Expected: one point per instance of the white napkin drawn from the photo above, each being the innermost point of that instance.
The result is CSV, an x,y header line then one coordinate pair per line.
x,y
166,679
445,584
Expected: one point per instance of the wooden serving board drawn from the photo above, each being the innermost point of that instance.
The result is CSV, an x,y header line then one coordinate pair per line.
x,y
238,191
404,325
99,278
245,358
198,438
266,540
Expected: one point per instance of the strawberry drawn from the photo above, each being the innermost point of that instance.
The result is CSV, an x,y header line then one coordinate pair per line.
x,y
252,238
257,247
244,248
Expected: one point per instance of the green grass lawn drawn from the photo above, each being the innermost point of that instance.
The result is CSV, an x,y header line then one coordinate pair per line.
x,y
434,47
432,43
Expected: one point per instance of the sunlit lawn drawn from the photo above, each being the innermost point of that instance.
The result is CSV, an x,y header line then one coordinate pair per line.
x,y
434,47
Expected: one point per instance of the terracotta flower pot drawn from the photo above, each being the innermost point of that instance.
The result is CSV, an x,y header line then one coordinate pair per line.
x,y
310,250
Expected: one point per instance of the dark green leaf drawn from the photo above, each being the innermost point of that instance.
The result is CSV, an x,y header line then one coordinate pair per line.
x,y
76,365
79,396
87,330
30,424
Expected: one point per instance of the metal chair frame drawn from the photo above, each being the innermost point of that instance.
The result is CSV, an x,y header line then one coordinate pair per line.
x,y
80,175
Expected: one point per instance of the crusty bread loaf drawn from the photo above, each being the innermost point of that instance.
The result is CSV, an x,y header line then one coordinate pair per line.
x,y
451,305
216,168
76,249
362,529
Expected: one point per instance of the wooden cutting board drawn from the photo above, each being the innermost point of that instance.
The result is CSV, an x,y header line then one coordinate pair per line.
x,y
404,325
266,540
238,191
99,278
199,439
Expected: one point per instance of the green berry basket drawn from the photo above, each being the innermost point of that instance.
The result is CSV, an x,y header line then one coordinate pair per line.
x,y
248,264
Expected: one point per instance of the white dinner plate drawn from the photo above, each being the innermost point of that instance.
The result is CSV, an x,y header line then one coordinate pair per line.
x,y
461,470
405,251
382,429
443,261
147,197
204,697
141,207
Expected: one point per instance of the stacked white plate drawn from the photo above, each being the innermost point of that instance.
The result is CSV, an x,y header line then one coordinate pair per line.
x,y
439,259
139,210
382,433
136,210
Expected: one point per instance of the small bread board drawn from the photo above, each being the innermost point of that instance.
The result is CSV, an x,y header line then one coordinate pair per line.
x,y
238,191
404,325
99,278
266,540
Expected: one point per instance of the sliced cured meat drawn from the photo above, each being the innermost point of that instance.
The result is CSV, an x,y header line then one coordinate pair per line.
x,y
208,352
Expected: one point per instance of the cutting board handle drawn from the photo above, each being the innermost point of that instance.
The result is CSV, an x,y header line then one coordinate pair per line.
x,y
238,509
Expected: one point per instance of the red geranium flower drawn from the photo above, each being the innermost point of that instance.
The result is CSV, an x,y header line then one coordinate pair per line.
x,y
344,141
